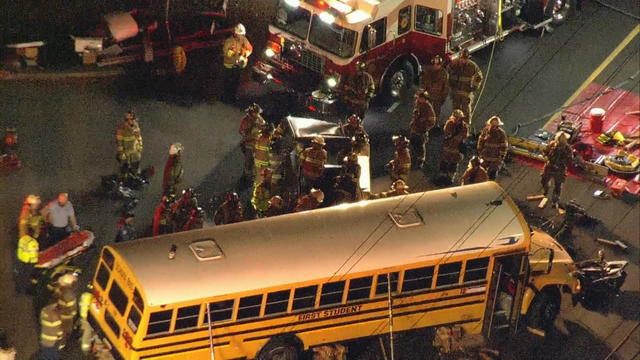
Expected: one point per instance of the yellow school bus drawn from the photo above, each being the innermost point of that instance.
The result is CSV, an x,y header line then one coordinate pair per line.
x,y
272,288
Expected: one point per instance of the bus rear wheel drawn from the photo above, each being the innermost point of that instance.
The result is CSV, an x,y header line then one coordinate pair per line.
x,y
279,349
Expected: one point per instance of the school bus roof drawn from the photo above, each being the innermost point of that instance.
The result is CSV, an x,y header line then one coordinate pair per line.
x,y
316,244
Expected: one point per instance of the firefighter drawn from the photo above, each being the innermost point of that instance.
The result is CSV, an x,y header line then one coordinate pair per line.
x,y
262,193
262,148
86,337
435,80
250,130
358,89
235,52
27,255
163,216
230,211
278,163
559,156
129,146
423,119
465,77
30,217
354,130
399,187
309,201
347,184
276,207
51,332
312,161
492,146
456,131
400,166
66,296
475,173
173,170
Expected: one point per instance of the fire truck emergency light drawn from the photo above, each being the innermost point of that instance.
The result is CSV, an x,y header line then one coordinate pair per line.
x,y
332,82
327,17
268,52
292,3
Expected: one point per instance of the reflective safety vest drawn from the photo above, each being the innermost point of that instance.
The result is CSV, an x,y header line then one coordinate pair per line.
x,y
28,249
51,326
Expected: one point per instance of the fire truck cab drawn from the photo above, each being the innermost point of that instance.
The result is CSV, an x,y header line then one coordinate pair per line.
x,y
314,43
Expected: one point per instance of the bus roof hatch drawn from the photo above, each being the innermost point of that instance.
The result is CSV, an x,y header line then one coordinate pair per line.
x,y
406,218
206,249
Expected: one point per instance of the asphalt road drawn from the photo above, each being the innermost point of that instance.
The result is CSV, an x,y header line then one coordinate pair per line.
x,y
66,129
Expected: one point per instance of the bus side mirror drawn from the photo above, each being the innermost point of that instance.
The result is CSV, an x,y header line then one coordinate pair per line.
x,y
550,263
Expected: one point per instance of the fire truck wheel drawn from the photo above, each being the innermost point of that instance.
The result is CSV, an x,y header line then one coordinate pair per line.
x,y
398,80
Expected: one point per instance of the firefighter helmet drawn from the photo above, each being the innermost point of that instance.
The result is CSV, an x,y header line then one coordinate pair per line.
x,y
33,200
175,148
352,157
317,194
562,137
361,65
437,60
276,201
240,30
67,279
495,120
399,185
400,140
233,197
319,140
354,119
255,108
457,113
423,93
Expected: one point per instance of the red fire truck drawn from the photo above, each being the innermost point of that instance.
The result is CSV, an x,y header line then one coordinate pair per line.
x,y
314,42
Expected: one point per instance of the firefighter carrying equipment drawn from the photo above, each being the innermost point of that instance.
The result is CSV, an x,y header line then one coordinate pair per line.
x,y
237,49
28,249
313,159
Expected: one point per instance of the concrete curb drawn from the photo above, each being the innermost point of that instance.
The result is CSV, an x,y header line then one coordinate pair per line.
x,y
6,75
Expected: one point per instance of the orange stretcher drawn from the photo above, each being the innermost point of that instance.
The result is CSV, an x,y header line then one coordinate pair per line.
x,y
71,246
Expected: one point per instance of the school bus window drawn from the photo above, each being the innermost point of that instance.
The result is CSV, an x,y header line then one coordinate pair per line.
x,y
118,298
108,258
134,319
102,277
220,311
381,287
277,302
159,322
137,299
249,307
359,288
448,274
113,324
428,20
332,293
305,297
476,269
187,317
404,20
417,279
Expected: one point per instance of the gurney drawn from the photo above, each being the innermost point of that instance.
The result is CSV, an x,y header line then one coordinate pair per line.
x,y
71,246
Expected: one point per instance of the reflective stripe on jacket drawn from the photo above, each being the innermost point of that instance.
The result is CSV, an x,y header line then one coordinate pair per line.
x,y
28,249
51,326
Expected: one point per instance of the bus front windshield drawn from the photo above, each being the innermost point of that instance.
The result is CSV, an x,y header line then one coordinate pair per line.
x,y
294,20
332,37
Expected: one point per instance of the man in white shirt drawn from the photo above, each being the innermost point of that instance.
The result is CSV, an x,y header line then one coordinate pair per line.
x,y
60,216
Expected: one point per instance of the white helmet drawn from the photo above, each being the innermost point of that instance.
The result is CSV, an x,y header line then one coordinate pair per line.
x,y
175,148
33,199
240,30
67,279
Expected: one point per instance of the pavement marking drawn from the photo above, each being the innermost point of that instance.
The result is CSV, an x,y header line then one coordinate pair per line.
x,y
596,72
393,107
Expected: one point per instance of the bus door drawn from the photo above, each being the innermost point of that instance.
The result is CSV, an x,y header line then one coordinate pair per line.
x,y
508,280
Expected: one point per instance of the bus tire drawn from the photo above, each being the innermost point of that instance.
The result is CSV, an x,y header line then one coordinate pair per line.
x,y
544,309
398,81
280,348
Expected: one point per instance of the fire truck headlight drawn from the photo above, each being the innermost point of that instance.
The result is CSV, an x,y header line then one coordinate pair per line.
x,y
292,3
327,17
332,82
269,76
268,52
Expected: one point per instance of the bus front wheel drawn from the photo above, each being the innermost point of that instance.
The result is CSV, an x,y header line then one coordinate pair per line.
x,y
544,309
279,349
